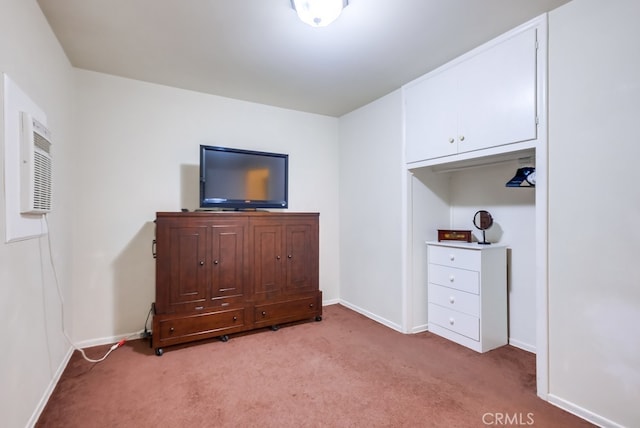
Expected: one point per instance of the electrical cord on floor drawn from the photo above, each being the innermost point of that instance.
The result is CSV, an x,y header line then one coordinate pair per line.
x,y
64,331
146,333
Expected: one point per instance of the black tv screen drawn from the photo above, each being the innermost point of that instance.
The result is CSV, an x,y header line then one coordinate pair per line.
x,y
242,179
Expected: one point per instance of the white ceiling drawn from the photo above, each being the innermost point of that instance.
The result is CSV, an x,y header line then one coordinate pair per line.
x,y
258,50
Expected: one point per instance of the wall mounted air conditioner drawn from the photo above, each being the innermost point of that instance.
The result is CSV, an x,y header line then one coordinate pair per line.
x,y
35,167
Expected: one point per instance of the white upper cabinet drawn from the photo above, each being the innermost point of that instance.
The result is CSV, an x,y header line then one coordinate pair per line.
x,y
497,92
487,98
431,117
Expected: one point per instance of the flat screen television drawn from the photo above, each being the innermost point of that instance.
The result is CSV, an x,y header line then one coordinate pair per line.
x,y
243,179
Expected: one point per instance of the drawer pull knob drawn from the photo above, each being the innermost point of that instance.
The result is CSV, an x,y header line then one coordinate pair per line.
x,y
451,140
452,278
311,305
201,263
235,318
289,256
452,257
171,330
452,321
264,313
199,308
215,262
452,300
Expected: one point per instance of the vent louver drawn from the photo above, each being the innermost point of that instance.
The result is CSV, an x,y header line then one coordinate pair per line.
x,y
36,167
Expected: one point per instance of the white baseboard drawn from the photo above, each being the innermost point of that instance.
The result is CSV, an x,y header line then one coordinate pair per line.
x,y
372,316
108,340
330,302
582,412
419,329
52,386
524,346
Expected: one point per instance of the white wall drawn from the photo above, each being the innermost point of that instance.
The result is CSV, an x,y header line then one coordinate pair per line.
x,y
372,219
33,347
138,153
429,204
594,207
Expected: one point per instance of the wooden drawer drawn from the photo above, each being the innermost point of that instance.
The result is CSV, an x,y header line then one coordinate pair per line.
x,y
457,300
224,302
183,308
203,305
460,279
176,329
455,257
455,321
286,311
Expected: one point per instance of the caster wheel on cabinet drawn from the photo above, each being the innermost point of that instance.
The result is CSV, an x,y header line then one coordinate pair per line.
x,y
224,338
318,318
275,328
159,352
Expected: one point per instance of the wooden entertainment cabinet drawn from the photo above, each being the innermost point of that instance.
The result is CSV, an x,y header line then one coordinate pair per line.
x,y
219,273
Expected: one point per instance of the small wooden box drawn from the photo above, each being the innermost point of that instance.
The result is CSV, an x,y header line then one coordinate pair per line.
x,y
454,235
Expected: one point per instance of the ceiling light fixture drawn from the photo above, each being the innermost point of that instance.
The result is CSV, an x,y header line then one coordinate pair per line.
x,y
318,13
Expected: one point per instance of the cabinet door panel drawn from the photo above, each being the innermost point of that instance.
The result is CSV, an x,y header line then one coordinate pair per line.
x,y
183,268
430,117
227,261
301,257
498,94
267,259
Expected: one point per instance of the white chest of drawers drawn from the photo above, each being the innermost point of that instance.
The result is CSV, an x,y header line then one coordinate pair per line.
x,y
467,293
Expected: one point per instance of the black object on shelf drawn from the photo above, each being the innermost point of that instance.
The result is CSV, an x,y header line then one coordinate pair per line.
x,y
525,177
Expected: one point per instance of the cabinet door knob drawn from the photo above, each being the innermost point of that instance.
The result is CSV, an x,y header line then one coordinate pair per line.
x,y
452,321
201,263
452,300
289,256
215,262
451,140
462,138
277,257
452,278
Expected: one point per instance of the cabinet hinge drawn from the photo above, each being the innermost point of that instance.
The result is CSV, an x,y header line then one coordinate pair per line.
x,y
537,45
537,121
